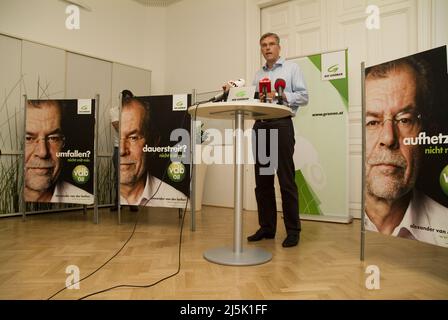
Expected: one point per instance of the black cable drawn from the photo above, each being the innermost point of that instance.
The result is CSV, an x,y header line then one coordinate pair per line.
x,y
135,225
99,268
157,282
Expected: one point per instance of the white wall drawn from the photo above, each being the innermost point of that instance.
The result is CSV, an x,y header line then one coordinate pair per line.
x,y
206,41
440,25
116,30
206,44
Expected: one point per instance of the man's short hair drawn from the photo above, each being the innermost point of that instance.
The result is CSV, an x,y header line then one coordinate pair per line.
x,y
39,103
127,94
423,79
270,34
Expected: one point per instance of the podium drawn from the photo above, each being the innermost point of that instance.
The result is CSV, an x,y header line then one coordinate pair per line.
x,y
239,111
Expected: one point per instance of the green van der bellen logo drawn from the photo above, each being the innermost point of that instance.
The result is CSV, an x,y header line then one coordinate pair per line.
x,y
176,171
81,174
334,68
444,180
179,104
241,94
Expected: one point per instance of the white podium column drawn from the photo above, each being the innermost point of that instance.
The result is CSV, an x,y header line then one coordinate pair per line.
x,y
237,256
238,183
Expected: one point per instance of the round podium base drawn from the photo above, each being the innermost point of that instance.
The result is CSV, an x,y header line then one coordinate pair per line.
x,y
248,256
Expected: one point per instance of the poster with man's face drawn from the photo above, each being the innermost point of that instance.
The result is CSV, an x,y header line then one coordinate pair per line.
x,y
59,151
406,155
149,175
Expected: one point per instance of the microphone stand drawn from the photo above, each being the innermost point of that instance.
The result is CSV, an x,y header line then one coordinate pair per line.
x,y
280,96
265,94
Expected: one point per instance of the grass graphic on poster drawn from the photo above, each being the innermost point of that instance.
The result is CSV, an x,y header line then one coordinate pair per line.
x,y
308,200
10,161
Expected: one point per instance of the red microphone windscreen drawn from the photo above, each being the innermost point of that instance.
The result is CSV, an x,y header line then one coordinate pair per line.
x,y
280,83
265,82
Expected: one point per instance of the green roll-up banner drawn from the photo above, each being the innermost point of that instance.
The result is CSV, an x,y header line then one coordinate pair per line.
x,y
321,133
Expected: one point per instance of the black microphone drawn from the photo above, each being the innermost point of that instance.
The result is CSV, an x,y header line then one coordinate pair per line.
x,y
280,85
222,96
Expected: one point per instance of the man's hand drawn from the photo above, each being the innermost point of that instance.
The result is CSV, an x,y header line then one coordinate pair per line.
x,y
226,87
115,124
270,98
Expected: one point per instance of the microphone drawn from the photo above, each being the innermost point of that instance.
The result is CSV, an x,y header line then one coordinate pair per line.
x,y
280,85
264,87
223,95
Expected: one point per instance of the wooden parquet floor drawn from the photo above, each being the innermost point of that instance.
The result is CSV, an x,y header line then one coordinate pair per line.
x,y
34,255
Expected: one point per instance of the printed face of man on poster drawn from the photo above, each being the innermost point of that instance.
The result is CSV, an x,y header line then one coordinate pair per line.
x,y
43,140
392,114
133,164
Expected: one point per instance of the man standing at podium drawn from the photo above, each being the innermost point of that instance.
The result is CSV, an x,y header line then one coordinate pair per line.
x,y
294,96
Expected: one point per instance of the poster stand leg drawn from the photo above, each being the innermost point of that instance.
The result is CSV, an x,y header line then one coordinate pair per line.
x,y
23,202
193,168
363,228
95,169
117,165
118,200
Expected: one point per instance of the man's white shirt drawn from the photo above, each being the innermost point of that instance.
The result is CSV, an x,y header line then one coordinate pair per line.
x,y
114,117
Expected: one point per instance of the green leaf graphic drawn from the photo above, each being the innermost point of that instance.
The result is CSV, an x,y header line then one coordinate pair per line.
x,y
308,200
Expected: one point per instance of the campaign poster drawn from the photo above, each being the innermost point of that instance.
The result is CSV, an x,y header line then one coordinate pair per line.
x,y
154,151
406,154
59,151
